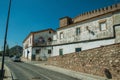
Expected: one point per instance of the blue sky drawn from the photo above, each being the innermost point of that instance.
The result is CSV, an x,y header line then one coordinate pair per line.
x,y
34,15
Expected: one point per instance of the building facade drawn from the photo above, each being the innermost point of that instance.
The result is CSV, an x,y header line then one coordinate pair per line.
x,y
89,30
37,45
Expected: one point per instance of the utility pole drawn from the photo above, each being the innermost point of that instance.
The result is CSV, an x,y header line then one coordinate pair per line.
x,y
5,41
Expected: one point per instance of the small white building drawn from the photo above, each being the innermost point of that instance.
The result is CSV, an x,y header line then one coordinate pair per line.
x,y
89,30
37,45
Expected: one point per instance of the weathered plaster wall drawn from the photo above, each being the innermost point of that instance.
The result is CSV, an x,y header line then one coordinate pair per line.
x,y
43,53
93,25
92,61
33,43
116,18
27,47
117,27
45,35
70,37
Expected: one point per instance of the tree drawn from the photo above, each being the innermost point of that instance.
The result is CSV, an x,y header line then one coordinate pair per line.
x,y
7,50
15,50
1,53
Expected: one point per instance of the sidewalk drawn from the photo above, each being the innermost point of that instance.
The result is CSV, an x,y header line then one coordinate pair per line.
x,y
79,75
8,75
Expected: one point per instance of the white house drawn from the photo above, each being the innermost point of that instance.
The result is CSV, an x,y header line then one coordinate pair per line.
x,y
37,45
89,30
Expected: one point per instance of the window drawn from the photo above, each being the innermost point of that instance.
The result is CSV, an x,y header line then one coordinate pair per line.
x,y
77,31
49,51
103,26
61,35
49,39
77,49
37,51
54,37
60,52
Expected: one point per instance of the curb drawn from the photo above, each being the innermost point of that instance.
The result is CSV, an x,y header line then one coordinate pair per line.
x,y
13,76
7,73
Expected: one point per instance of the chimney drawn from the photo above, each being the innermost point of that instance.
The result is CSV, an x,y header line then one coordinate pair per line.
x,y
65,21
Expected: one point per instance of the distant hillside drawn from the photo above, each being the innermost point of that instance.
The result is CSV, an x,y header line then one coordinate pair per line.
x,y
16,50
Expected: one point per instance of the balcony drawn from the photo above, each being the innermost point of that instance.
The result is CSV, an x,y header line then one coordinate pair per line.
x,y
42,44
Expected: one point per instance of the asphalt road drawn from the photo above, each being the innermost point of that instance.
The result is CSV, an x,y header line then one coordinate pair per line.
x,y
25,71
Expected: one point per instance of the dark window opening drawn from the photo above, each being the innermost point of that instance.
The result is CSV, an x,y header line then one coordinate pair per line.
x,y
77,49
37,51
60,52
77,31
49,51
49,39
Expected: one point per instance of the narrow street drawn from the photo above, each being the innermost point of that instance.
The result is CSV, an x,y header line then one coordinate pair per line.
x,y
24,71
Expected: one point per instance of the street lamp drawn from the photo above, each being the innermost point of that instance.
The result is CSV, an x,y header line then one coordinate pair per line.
x,y
5,41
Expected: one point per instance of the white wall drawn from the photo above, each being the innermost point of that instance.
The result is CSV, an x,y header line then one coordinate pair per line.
x,y
29,54
43,52
28,41
27,45
70,48
117,32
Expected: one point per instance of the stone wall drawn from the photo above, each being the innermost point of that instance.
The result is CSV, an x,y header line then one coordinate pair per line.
x,y
92,61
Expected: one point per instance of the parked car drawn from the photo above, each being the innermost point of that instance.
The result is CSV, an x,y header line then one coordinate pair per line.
x,y
16,59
